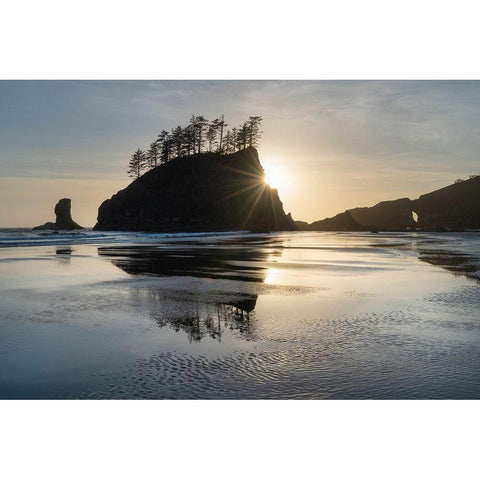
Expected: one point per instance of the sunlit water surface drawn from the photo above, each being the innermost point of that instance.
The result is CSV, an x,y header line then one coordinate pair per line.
x,y
288,315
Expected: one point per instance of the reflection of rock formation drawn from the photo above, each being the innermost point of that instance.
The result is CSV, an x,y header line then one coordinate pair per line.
x,y
218,262
456,263
63,220
211,308
64,254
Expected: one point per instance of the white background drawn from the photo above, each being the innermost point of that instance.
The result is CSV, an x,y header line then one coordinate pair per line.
x,y
239,40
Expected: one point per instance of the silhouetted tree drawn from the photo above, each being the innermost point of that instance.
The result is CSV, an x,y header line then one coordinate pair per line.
x,y
153,155
177,140
221,126
241,139
137,164
199,124
229,144
234,139
212,132
254,132
189,139
164,146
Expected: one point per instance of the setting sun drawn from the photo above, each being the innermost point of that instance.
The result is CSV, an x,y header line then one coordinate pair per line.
x,y
277,177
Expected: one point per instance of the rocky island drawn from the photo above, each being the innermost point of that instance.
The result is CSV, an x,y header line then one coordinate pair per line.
x,y
200,192
63,219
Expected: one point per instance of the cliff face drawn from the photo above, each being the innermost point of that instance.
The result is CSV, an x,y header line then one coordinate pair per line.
x,y
343,222
385,215
455,207
202,192
63,219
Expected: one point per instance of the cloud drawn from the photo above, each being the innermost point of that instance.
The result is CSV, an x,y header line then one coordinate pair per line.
x,y
421,132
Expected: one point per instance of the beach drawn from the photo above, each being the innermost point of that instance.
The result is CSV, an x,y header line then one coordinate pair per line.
x,y
297,315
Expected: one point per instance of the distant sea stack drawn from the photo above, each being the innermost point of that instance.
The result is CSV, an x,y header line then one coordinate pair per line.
x,y
63,220
200,192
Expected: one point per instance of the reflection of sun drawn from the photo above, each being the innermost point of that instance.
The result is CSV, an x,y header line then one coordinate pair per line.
x,y
270,276
277,177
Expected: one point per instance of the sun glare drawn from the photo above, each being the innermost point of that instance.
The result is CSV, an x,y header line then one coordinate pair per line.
x,y
277,177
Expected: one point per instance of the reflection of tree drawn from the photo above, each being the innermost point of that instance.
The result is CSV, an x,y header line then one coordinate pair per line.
x,y
212,320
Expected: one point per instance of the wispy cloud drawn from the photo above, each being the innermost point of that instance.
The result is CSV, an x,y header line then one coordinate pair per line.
x,y
405,135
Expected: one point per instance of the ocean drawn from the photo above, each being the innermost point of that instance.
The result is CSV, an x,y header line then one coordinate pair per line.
x,y
234,315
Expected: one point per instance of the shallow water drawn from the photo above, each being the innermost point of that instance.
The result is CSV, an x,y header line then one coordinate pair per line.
x,y
288,315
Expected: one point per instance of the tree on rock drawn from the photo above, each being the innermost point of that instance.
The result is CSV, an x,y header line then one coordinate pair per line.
x,y
221,126
254,132
137,164
199,124
153,155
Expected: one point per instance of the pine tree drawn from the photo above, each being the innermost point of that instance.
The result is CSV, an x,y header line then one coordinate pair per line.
x,y
153,155
228,143
137,164
199,124
212,132
164,146
221,126
242,136
234,139
189,140
177,140
254,132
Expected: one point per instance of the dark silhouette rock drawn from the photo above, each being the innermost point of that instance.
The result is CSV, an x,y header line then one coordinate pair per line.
x,y
392,214
343,222
454,207
201,192
63,220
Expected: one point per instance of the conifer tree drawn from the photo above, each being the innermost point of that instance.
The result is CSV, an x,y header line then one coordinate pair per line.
x,y
199,124
137,164
234,139
212,132
189,139
228,143
163,141
221,126
254,132
242,136
177,140
153,155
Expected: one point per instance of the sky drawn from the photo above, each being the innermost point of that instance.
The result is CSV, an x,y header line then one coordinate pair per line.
x,y
326,145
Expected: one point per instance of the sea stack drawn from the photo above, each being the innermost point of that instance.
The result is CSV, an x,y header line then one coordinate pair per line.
x,y
63,220
201,192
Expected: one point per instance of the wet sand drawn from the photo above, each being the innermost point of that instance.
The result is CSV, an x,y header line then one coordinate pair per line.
x,y
297,315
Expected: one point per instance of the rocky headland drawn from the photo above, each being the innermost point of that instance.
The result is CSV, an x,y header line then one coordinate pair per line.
x,y
454,207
